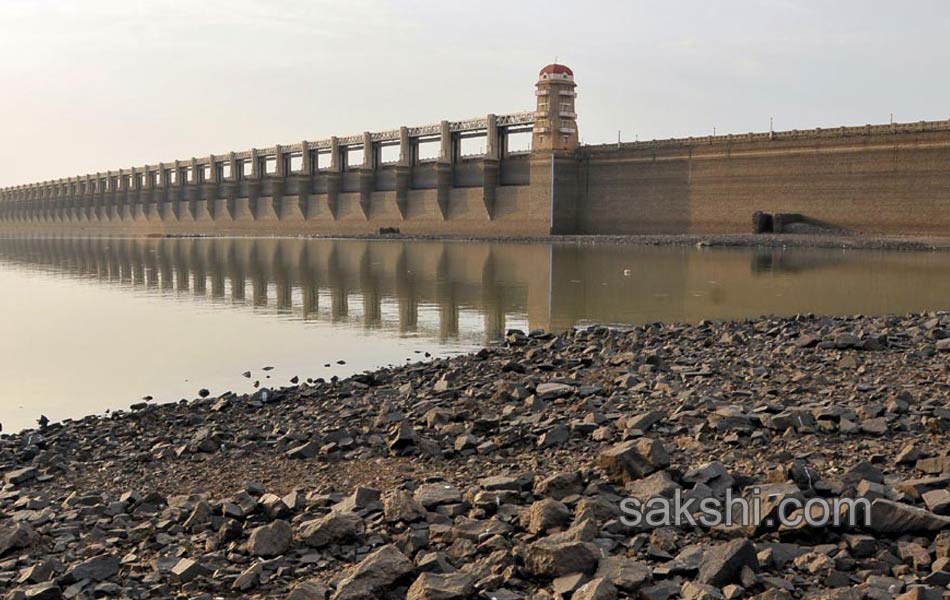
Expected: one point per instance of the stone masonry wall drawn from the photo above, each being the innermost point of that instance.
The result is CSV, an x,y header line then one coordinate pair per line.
x,y
882,180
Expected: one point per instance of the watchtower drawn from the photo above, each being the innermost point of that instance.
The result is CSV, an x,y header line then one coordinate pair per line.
x,y
555,125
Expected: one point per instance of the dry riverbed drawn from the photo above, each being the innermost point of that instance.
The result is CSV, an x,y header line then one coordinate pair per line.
x,y
500,474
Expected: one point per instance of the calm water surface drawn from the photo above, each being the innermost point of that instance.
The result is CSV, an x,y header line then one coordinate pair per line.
x,y
94,324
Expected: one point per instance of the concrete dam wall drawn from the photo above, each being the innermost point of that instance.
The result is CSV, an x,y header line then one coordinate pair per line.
x,y
308,188
883,179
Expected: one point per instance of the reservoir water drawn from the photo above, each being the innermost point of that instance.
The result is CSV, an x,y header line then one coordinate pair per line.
x,y
96,324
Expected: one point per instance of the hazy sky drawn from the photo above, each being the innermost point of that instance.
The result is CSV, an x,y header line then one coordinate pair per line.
x,y
93,85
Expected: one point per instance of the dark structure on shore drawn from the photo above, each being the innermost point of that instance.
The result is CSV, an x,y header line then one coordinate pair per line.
x,y
882,179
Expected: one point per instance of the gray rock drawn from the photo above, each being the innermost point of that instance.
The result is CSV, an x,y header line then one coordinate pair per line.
x,y
42,591
313,589
362,498
554,559
16,537
566,585
663,590
555,437
657,485
18,476
431,495
646,420
274,506
625,573
596,589
434,586
399,505
553,391
938,501
546,514
700,591
722,563
634,459
402,438
560,485
922,592
270,540
374,575
249,578
98,568
38,572
304,451
876,426
334,528
935,465
500,483
793,418
466,441
187,569
887,516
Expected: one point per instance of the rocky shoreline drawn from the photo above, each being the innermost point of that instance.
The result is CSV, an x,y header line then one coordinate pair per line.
x,y
499,474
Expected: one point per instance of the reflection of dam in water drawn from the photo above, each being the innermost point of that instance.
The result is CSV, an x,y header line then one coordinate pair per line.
x,y
476,290
441,289
96,323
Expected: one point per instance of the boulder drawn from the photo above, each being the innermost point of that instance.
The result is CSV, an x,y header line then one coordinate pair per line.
x,y
40,591
596,589
334,528
312,589
722,563
625,573
272,539
435,586
887,516
16,537
553,391
187,569
98,568
18,476
555,559
374,575
633,459
431,495
546,514
402,438
400,505
560,485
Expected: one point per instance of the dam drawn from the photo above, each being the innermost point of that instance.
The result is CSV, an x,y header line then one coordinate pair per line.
x,y
891,179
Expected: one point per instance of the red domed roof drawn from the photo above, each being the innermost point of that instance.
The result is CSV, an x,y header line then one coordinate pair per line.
x,y
556,69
